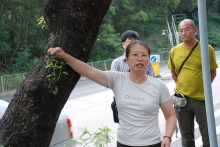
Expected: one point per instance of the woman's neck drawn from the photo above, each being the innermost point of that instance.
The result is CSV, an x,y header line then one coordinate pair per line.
x,y
138,78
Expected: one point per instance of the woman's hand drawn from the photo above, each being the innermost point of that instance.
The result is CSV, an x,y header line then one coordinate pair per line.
x,y
57,51
165,142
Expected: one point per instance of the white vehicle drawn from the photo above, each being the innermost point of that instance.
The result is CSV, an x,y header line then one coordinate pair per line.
x,y
62,135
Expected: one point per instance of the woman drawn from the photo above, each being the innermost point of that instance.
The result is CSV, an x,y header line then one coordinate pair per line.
x,y
138,97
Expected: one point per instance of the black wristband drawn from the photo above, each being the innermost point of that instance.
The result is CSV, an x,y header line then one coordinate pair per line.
x,y
168,137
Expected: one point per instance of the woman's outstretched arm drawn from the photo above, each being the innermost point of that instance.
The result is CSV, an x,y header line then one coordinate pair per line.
x,y
80,67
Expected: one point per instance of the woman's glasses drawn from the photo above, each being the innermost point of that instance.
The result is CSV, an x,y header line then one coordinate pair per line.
x,y
136,56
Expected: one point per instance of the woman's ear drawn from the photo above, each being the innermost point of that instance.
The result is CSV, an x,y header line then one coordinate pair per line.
x,y
126,60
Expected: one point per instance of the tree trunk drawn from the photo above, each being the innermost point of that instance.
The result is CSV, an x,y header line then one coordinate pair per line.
x,y
31,116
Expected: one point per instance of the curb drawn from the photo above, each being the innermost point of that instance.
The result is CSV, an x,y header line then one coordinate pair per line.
x,y
7,94
166,78
82,79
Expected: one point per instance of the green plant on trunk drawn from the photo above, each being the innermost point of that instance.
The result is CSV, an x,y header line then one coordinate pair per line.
x,y
41,21
99,138
53,63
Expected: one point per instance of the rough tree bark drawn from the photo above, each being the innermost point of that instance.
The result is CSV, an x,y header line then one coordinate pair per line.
x,y
30,118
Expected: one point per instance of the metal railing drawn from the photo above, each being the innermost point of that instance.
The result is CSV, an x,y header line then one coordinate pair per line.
x,y
102,65
175,19
170,36
164,54
175,30
9,83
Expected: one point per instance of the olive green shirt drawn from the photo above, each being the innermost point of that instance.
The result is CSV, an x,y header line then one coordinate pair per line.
x,y
190,80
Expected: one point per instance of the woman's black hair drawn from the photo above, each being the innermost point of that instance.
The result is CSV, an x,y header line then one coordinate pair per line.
x,y
136,42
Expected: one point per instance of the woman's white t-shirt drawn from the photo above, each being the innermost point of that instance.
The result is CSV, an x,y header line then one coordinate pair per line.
x,y
138,107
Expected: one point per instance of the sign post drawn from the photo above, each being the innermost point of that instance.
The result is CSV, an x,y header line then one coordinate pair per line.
x,y
155,60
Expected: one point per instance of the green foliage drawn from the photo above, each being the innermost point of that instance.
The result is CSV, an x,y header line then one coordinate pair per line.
x,y
108,19
129,15
154,38
140,16
213,5
186,5
99,138
213,30
42,22
21,62
145,32
159,8
5,48
18,22
107,45
215,17
4,36
56,66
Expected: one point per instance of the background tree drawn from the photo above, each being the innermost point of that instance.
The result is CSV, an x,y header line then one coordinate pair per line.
x,y
107,45
186,5
4,46
23,36
129,15
31,116
214,27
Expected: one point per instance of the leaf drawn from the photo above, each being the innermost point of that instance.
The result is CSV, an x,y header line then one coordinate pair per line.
x,y
47,66
48,76
65,73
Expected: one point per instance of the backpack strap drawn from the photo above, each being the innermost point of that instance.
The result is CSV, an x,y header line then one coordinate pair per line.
x,y
188,56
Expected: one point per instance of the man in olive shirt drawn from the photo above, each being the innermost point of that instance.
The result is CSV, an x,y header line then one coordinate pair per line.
x,y
189,82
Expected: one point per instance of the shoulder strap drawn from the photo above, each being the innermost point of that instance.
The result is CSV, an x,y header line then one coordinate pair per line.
x,y
188,56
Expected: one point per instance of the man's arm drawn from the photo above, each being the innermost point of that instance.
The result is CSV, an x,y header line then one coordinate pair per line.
x,y
174,76
213,74
150,70
114,65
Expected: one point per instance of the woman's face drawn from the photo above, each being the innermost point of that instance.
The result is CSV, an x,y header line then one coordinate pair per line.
x,y
138,58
